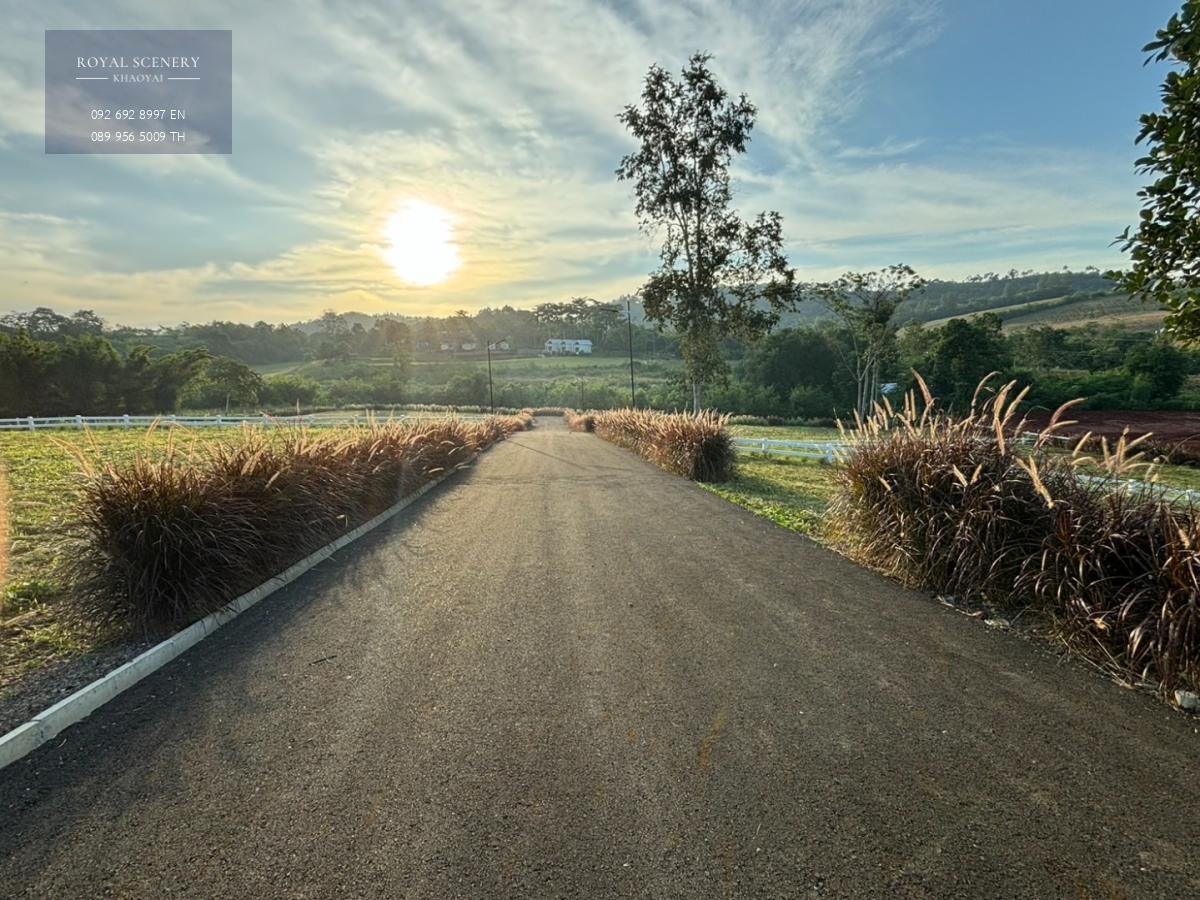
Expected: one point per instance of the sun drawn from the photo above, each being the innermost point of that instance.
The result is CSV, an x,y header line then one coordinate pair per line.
x,y
421,248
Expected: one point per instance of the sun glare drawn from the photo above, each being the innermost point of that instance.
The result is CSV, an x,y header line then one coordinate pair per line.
x,y
421,248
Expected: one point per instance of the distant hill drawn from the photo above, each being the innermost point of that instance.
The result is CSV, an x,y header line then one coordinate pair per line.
x,y
1076,310
366,320
1063,299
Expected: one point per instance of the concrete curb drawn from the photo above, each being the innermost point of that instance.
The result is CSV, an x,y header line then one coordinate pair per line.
x,y
50,722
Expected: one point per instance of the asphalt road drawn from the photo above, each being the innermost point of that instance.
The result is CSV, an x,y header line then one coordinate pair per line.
x,y
566,673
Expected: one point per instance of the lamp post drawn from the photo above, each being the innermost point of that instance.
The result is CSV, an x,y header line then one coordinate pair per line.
x,y
491,393
629,324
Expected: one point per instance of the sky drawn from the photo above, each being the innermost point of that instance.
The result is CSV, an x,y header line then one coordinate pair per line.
x,y
957,136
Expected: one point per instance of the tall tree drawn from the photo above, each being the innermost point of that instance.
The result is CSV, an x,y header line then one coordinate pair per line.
x,y
1165,250
866,303
717,273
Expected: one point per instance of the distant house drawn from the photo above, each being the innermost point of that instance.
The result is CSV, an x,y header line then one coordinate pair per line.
x,y
890,388
469,345
501,345
446,345
568,347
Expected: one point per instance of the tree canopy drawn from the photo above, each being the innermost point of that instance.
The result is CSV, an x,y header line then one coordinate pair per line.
x,y
717,274
1165,248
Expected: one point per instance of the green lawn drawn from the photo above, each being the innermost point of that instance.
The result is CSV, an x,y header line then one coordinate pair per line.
x,y
42,472
791,493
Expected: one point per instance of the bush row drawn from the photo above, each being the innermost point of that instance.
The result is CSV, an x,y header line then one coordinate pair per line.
x,y
949,503
695,446
780,421
168,538
577,421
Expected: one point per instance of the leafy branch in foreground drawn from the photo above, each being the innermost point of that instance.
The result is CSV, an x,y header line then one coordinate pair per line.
x,y
1165,249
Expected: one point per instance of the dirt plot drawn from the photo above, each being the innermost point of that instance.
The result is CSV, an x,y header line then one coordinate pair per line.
x,y
1169,429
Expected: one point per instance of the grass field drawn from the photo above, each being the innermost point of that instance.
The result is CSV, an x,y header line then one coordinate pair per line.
x,y
41,469
436,370
1063,313
42,474
791,493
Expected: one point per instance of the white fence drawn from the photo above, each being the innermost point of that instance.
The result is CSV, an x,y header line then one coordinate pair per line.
x,y
41,423
829,451
825,451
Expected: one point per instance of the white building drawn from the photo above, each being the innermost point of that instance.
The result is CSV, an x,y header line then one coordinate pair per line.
x,y
568,347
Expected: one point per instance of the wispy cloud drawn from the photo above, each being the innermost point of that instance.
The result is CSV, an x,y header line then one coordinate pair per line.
x,y
504,114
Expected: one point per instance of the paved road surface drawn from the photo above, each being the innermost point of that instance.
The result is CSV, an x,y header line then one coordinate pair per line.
x,y
566,673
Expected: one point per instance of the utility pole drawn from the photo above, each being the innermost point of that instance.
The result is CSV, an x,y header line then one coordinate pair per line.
x,y
491,394
629,323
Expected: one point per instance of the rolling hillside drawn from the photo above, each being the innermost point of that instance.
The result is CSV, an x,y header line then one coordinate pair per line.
x,y
1075,311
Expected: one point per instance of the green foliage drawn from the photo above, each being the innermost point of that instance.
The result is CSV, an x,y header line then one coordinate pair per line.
x,y
866,303
220,383
466,390
963,352
717,273
287,391
85,376
1165,249
1160,366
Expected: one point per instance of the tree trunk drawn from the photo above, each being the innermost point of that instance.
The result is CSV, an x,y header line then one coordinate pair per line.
x,y
697,395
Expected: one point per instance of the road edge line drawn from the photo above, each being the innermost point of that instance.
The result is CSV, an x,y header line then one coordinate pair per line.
x,y
53,720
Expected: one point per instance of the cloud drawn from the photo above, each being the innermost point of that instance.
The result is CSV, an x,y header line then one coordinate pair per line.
x,y
505,115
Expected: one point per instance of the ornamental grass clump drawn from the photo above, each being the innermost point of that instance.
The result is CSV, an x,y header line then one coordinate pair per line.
x,y
5,536
698,447
975,506
170,537
577,421
521,421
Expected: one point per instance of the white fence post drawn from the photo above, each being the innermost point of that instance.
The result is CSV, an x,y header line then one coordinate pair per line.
x,y
125,420
32,427
79,422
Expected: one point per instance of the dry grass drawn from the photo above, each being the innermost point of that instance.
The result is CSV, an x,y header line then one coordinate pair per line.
x,y
168,537
953,504
5,533
698,447
579,421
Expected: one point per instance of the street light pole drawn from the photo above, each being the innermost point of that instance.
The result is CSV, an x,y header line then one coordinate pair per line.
x,y
491,394
629,323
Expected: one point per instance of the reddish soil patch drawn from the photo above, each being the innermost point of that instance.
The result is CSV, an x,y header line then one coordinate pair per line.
x,y
1170,430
